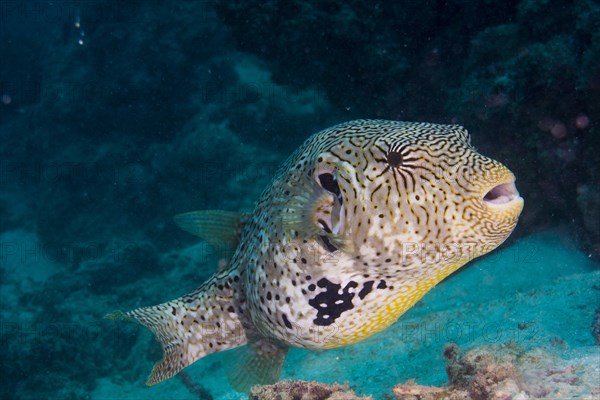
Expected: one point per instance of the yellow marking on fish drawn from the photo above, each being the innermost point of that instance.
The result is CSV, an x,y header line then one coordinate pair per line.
x,y
357,226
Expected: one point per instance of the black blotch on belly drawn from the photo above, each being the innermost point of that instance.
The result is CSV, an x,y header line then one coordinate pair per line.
x,y
367,287
325,302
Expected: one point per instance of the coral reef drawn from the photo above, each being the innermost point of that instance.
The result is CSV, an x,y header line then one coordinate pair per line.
x,y
508,373
304,390
154,102
481,375
368,64
168,106
522,75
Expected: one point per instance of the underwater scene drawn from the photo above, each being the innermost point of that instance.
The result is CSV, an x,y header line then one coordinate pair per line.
x,y
303,200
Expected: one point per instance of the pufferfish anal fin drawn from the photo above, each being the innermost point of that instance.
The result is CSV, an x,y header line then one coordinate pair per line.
x,y
221,229
190,327
258,363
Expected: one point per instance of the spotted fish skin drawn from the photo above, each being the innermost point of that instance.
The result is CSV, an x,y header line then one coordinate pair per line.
x,y
356,226
413,208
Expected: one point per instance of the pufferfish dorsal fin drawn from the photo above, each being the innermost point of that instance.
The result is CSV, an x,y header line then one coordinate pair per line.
x,y
221,229
257,363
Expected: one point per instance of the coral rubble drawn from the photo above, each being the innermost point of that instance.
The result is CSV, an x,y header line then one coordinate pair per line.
x,y
304,390
507,373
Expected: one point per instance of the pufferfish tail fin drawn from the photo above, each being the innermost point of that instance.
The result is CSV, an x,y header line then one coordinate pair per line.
x,y
258,363
190,327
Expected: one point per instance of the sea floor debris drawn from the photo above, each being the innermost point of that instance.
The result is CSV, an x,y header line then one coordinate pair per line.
x,y
304,390
505,372
508,373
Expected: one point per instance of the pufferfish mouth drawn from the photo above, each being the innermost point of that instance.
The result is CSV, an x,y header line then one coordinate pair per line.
x,y
502,193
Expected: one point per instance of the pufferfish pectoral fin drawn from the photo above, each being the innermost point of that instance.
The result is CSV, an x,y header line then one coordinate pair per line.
x,y
190,327
221,229
258,363
313,211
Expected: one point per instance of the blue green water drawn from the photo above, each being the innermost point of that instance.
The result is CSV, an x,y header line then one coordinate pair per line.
x,y
115,116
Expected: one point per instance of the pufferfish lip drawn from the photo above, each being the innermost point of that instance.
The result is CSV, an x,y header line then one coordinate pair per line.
x,y
501,194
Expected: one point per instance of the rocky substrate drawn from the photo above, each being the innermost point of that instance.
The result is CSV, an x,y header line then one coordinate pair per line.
x,y
493,373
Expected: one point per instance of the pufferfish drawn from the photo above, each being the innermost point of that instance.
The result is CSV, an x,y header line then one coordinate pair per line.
x,y
356,226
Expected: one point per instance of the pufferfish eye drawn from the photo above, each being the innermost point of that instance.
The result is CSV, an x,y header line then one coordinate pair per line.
x,y
329,183
394,159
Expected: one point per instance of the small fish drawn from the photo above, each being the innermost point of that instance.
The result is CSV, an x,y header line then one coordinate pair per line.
x,y
356,226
